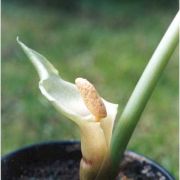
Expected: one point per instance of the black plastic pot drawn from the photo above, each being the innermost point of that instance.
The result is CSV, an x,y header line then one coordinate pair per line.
x,y
51,160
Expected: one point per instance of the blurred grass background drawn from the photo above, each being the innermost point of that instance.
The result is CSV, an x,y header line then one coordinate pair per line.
x,y
109,43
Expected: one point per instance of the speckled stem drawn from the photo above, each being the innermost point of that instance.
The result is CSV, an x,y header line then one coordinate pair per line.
x,y
139,98
142,92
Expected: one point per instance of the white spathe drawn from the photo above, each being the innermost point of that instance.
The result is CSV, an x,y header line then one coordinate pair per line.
x,y
67,99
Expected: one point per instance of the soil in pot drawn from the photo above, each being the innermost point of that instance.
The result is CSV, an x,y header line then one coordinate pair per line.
x,y
45,162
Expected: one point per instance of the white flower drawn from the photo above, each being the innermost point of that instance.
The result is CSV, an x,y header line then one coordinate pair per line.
x,y
72,101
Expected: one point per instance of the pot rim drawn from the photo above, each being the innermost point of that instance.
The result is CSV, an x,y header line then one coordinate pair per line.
x,y
35,145
135,155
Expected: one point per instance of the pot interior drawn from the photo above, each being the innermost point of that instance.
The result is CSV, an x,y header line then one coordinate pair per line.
x,y
60,160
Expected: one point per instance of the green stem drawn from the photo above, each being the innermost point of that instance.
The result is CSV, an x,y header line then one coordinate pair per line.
x,y
142,92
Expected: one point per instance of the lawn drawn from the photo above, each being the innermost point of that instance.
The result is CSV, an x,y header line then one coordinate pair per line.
x,y
108,46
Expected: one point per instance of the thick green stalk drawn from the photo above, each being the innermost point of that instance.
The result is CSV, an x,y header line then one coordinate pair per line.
x,y
142,92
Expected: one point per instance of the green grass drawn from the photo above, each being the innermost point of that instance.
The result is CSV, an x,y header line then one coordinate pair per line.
x,y
109,48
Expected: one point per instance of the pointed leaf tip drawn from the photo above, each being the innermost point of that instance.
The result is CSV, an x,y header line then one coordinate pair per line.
x,y
17,39
42,65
